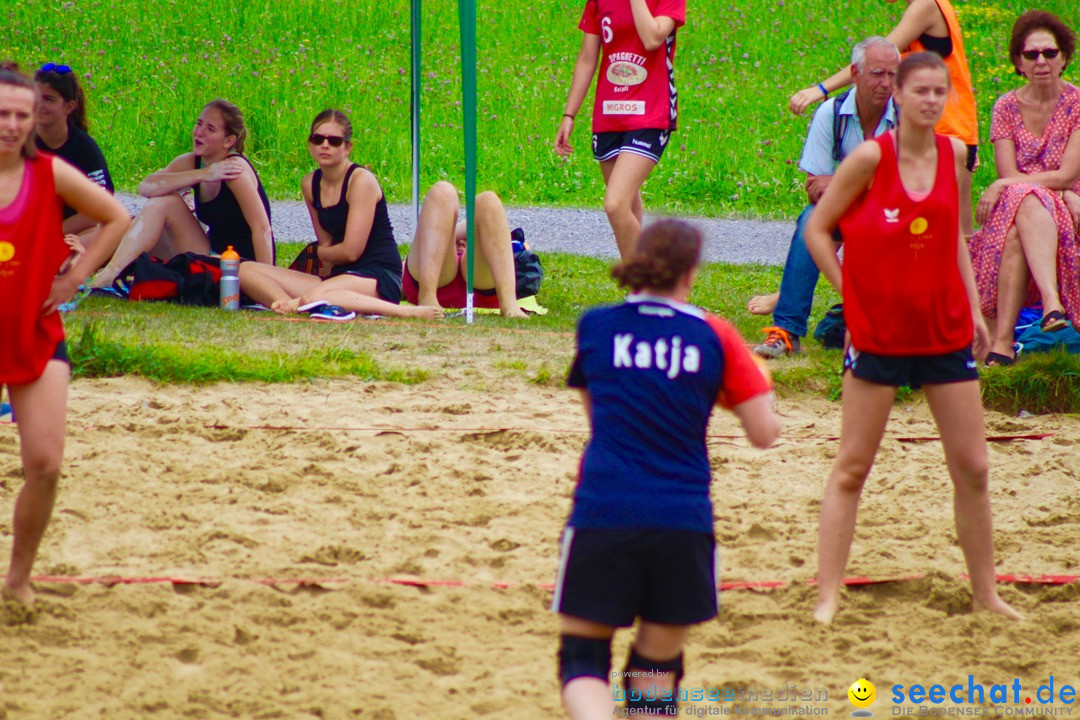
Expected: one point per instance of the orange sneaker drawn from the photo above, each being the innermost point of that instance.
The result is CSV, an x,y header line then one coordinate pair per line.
x,y
778,343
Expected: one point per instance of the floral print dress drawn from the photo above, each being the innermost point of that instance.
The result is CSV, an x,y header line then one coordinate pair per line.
x,y
1034,154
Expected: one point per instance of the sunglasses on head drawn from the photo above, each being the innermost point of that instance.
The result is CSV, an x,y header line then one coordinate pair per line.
x,y
1049,54
53,67
317,139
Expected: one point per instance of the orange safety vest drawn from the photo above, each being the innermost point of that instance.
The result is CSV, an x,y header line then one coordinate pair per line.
x,y
961,118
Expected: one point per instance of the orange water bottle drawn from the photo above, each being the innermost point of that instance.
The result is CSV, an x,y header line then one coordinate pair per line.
x,y
230,280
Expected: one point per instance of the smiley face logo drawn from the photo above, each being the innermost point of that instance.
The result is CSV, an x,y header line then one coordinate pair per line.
x,y
862,694
7,251
918,226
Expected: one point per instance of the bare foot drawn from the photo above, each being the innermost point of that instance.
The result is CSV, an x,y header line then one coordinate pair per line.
x,y
23,595
826,611
285,307
763,304
996,605
514,312
102,280
423,311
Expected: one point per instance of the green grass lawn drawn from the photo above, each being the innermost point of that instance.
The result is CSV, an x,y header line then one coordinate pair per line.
x,y
149,67
169,343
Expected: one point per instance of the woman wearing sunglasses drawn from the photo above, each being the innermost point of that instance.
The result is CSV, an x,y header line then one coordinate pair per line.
x,y
358,267
229,200
62,130
1028,247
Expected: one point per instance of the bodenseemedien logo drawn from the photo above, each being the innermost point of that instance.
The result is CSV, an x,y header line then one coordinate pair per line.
x,y
862,695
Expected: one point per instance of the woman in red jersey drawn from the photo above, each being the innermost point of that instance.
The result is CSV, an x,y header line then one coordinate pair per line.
x,y
912,312
636,105
34,281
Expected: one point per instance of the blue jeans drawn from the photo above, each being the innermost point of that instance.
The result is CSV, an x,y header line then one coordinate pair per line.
x,y
792,311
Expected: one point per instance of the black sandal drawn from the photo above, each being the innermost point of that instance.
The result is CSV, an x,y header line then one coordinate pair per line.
x,y
998,360
1053,322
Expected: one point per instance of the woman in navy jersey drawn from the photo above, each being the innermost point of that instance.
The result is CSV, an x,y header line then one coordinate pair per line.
x,y
37,275
912,311
229,200
639,542
636,106
358,268
62,129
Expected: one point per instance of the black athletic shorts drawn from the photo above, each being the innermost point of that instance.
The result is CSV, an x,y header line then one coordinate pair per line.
x,y
387,283
914,371
613,576
61,353
649,143
972,157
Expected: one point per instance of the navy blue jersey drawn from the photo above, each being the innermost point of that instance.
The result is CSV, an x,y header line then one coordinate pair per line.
x,y
653,369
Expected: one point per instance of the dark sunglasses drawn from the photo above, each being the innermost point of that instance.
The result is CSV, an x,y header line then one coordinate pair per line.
x,y
58,69
317,139
1049,54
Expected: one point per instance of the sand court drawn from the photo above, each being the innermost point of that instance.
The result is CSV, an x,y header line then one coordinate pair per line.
x,y
243,491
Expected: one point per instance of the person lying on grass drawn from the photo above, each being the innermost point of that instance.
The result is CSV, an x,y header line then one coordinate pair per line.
x,y
434,276
358,267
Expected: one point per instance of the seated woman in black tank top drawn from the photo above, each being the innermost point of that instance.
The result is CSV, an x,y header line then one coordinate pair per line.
x,y
359,265
229,200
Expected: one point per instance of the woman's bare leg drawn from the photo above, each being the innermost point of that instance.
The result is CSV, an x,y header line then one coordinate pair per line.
x,y
587,698
865,411
165,227
432,256
1039,238
958,412
1012,284
274,286
494,263
41,407
359,295
624,177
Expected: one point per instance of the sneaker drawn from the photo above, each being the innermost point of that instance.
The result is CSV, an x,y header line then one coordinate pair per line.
x,y
322,310
778,343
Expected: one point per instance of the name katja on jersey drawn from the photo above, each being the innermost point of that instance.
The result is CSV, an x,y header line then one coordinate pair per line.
x,y
667,355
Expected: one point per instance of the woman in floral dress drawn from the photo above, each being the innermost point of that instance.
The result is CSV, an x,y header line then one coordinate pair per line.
x,y
1028,247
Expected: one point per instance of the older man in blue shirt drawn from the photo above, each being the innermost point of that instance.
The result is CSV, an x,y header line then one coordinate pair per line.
x,y
838,127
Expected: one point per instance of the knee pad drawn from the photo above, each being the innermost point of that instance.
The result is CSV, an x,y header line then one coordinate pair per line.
x,y
649,703
584,657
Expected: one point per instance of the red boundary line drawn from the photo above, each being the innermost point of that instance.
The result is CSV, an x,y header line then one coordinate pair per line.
x,y
856,581
297,428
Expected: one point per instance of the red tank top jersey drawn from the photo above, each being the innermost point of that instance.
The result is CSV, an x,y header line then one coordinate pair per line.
x,y
635,88
903,293
32,249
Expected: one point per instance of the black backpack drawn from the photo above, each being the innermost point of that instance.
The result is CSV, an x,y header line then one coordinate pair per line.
x,y
188,279
527,267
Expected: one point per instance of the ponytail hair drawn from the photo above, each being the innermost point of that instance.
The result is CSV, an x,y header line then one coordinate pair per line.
x,y
234,122
67,84
10,75
665,252
337,116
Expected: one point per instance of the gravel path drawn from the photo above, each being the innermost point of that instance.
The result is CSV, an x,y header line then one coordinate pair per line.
x,y
582,232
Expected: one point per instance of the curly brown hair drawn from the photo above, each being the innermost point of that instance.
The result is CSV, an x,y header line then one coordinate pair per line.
x,y
1034,20
665,252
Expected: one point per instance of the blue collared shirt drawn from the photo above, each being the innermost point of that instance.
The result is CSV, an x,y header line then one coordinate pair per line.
x,y
817,155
